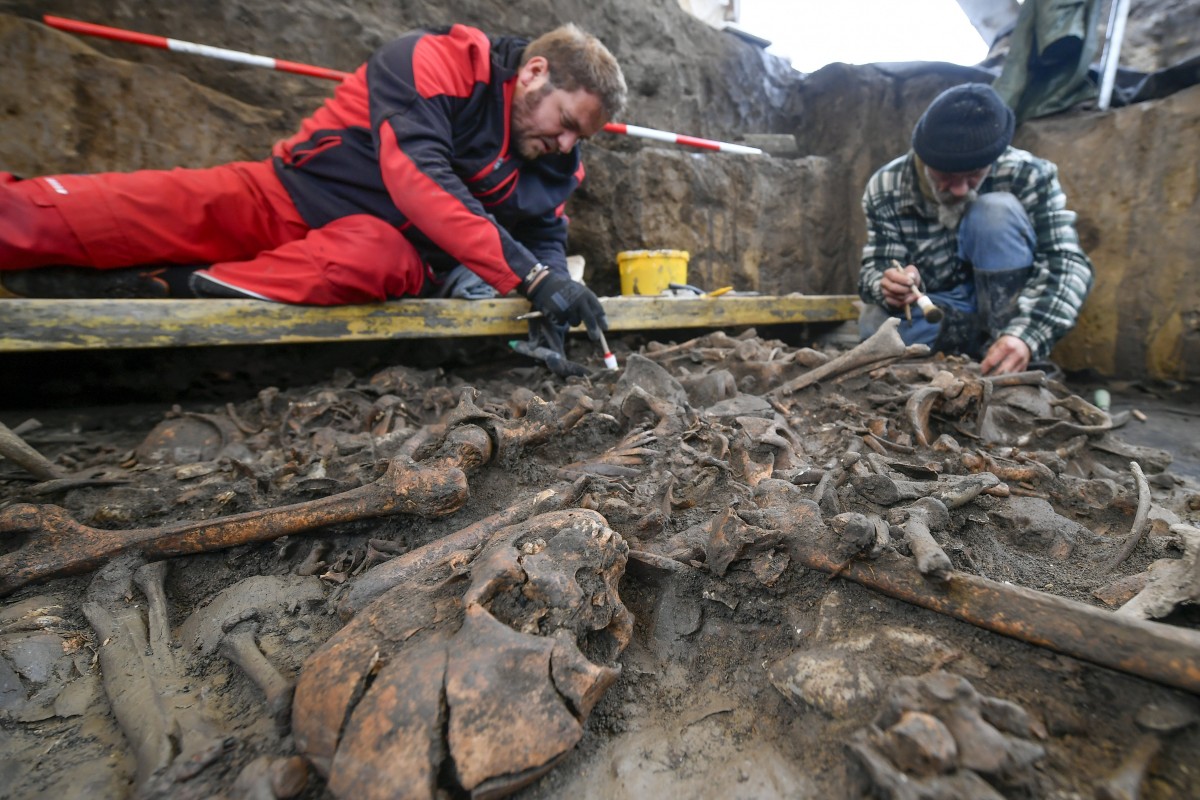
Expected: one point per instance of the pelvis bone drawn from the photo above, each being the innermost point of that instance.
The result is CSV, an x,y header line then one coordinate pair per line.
x,y
479,684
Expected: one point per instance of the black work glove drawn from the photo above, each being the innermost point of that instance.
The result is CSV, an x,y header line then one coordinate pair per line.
x,y
547,343
564,301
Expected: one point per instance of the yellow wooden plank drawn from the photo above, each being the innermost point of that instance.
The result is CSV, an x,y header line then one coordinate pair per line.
x,y
43,324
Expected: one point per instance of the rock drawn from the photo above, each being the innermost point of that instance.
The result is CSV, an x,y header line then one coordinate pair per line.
x,y
12,691
920,744
934,735
34,656
711,388
1031,523
1120,591
77,696
745,405
826,679
641,372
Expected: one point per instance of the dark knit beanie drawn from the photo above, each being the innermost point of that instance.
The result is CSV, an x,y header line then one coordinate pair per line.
x,y
964,129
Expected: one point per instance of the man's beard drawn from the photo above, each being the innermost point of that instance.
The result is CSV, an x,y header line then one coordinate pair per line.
x,y
951,213
950,209
527,145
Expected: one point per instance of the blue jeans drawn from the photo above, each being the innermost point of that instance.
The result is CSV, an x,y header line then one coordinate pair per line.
x,y
995,236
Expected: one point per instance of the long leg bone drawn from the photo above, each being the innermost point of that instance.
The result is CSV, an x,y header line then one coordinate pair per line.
x,y
882,345
1157,652
58,545
150,578
172,738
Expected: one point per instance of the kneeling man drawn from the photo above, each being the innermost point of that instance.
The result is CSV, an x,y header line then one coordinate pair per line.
x,y
982,229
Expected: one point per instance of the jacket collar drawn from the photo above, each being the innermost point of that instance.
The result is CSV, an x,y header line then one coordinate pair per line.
x,y
912,188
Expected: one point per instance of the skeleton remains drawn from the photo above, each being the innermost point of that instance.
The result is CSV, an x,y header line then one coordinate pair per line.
x,y
411,586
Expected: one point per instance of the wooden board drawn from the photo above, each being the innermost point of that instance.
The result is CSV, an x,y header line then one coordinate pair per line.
x,y
39,324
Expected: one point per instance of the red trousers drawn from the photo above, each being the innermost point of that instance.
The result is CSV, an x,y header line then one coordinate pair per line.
x,y
236,217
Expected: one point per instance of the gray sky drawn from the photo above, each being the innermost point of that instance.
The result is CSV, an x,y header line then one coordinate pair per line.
x,y
813,33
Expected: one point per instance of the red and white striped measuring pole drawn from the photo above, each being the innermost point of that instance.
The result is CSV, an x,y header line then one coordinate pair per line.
x,y
237,56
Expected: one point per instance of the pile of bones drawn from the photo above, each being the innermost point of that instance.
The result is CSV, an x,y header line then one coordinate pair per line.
x,y
445,563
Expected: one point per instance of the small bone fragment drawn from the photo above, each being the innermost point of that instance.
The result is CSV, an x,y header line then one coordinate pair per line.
x,y
270,778
953,492
957,494
856,531
1155,722
16,450
226,625
314,562
921,517
1029,472
1034,377
239,646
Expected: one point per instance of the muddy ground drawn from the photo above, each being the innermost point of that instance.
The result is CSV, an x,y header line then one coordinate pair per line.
x,y
742,672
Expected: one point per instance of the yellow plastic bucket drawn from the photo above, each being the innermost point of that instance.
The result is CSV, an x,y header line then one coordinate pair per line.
x,y
649,271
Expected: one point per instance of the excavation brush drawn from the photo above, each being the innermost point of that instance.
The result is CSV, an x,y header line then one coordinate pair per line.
x,y
280,65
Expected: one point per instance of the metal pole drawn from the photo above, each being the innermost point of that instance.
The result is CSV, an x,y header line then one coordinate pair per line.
x,y
179,46
1118,13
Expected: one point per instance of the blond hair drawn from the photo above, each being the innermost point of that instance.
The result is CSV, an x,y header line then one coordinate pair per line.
x,y
579,60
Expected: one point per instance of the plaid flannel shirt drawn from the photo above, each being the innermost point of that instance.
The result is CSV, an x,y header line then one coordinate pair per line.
x,y
902,224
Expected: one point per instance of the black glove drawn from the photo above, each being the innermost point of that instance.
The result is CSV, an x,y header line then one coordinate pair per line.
x,y
564,301
547,343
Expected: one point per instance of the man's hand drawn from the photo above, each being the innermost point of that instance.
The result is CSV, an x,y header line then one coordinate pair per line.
x,y
1007,354
898,286
565,301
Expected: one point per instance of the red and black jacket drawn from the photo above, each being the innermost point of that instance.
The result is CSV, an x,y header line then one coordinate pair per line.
x,y
419,136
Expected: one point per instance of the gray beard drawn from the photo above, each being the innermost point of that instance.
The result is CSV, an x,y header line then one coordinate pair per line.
x,y
950,209
950,214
